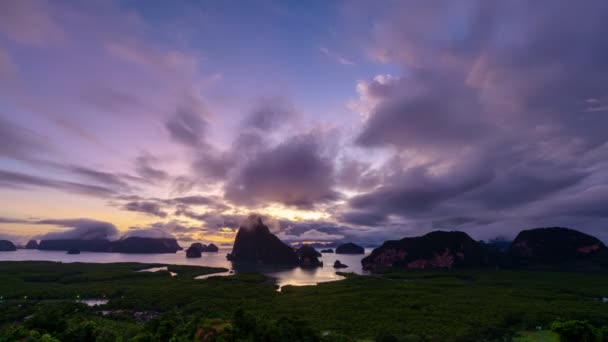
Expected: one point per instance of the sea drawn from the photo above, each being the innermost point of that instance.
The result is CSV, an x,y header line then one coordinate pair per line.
x,y
296,276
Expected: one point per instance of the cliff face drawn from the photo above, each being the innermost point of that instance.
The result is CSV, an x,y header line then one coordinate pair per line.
x,y
7,246
553,245
434,250
256,244
128,245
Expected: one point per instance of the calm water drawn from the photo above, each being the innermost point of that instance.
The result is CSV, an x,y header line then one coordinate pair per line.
x,y
284,276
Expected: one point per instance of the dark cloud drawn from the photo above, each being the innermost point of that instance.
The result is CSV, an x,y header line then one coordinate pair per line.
x,y
182,184
145,169
20,143
417,190
293,173
150,208
195,200
496,122
523,184
186,127
425,111
270,114
170,228
106,178
213,166
364,217
86,229
355,174
20,180
11,220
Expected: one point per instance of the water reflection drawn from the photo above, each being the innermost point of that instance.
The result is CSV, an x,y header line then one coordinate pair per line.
x,y
93,302
220,274
157,269
284,276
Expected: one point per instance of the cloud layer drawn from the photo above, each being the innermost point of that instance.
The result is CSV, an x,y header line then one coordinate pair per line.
x,y
487,117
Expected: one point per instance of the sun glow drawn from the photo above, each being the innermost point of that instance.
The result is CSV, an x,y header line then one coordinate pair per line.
x,y
292,214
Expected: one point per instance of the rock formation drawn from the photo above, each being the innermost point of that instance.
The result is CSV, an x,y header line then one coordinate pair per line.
x,y
309,257
350,248
73,251
126,245
437,249
193,252
7,246
256,244
211,248
327,250
339,264
553,245
96,245
198,245
145,245
32,244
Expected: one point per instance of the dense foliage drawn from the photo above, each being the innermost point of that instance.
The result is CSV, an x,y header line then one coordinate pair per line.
x,y
475,305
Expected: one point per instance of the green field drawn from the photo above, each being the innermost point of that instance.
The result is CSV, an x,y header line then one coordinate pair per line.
x,y
481,305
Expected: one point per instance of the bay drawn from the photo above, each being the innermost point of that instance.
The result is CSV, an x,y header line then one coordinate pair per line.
x,y
296,276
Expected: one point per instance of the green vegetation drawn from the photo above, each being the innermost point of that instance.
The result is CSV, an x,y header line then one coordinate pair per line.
x,y
535,336
480,305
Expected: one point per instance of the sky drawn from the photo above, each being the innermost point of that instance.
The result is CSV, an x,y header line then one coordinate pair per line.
x,y
334,120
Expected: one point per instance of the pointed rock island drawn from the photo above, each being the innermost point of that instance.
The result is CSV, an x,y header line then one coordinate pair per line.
x,y
32,244
254,243
7,246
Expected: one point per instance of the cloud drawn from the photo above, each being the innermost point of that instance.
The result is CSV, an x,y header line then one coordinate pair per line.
x,y
197,200
310,235
106,178
11,220
294,173
358,175
145,169
187,127
18,180
20,143
489,126
86,229
423,111
336,57
270,114
29,22
212,166
150,232
146,207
